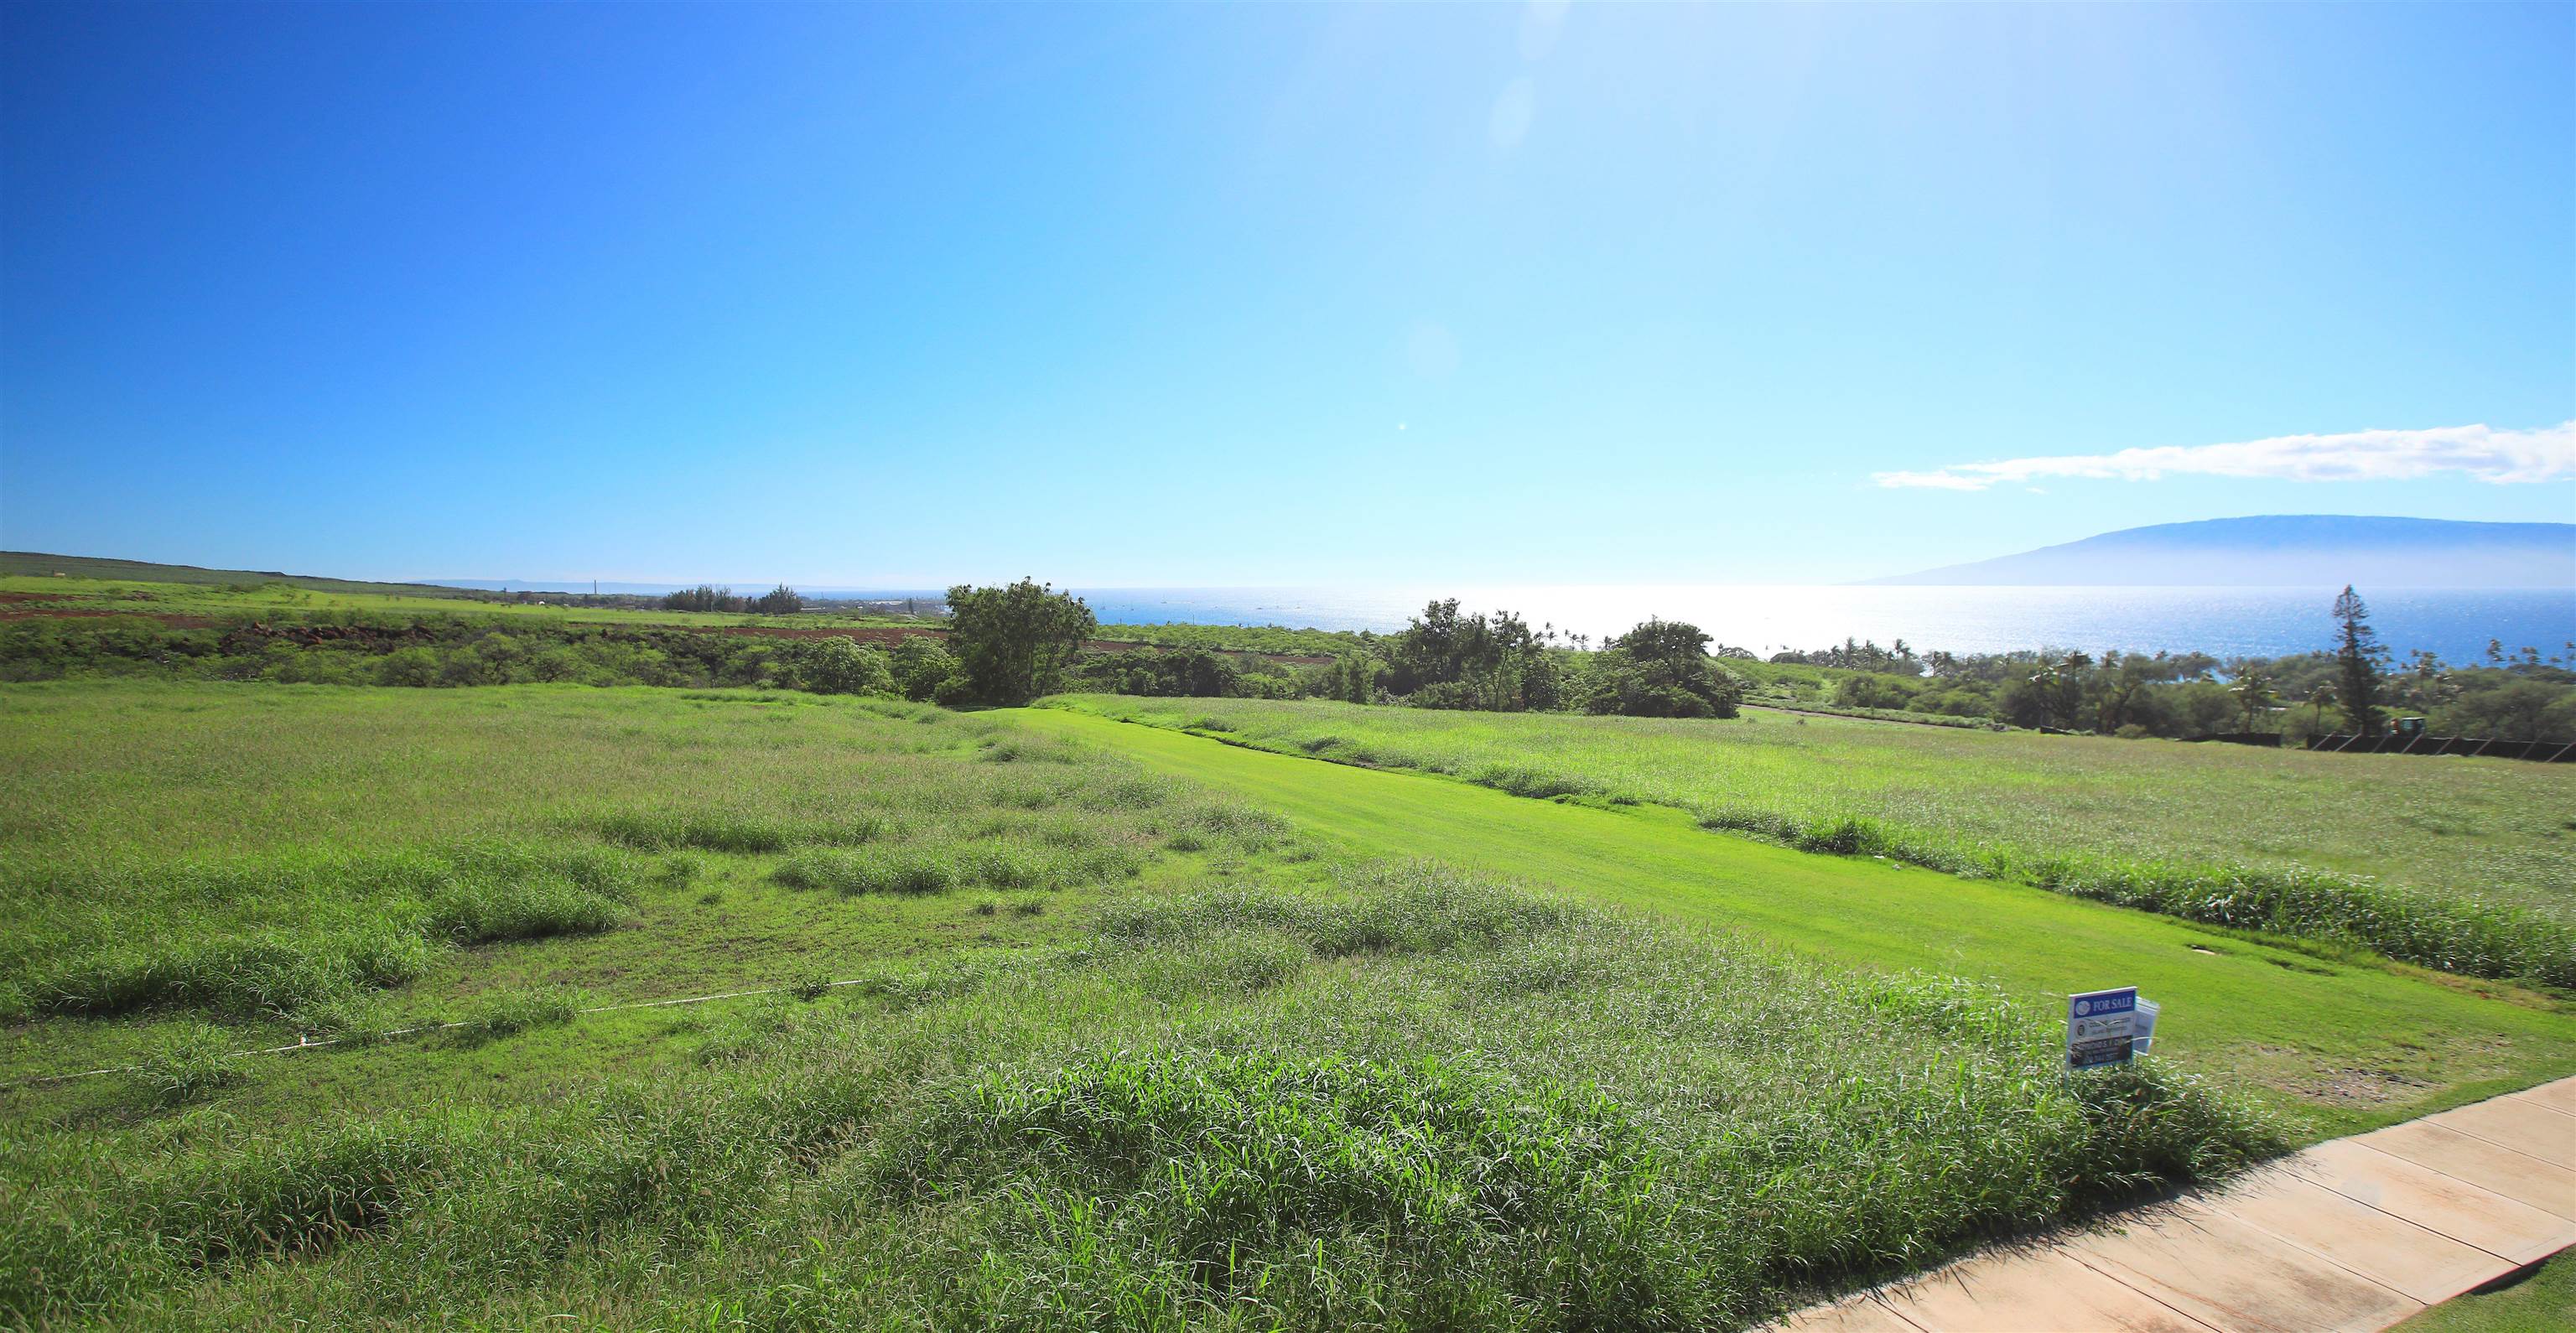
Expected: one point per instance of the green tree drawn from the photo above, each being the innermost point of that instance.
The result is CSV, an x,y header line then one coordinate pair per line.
x,y
2513,710
2125,682
2253,691
1447,660
1661,669
2074,675
2357,659
1873,691
1014,643
1353,678
839,666
1439,647
779,601
704,597
924,670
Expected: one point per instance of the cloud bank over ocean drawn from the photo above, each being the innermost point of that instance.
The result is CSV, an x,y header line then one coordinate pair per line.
x,y
2483,452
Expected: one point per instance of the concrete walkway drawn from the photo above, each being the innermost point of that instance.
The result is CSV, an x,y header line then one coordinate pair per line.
x,y
2351,1236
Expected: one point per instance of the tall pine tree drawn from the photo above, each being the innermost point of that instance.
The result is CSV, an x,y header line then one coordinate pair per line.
x,y
2357,658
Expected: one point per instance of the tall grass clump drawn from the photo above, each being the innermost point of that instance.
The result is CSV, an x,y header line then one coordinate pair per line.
x,y
722,831
296,1194
899,870
184,1065
258,974
1407,908
2452,934
1227,1168
1498,1110
276,935
517,1009
1007,863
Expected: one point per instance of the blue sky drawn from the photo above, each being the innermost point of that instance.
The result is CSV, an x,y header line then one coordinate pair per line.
x,y
1200,296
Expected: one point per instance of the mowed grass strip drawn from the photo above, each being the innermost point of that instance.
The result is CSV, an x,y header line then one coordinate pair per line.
x,y
2106,824
2497,829
2345,1043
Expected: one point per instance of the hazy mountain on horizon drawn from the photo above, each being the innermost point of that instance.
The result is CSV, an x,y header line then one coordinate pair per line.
x,y
2288,550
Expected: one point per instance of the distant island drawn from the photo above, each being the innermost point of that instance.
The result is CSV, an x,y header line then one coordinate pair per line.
x,y
2287,550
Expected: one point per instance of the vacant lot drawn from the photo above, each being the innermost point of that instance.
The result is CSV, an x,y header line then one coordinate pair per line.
x,y
2204,833
2480,827
2334,1042
1122,1049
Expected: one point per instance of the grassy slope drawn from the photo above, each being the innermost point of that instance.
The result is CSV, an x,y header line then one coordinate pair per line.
x,y
226,598
120,781
66,570
2347,1045
2496,828
323,598
1266,1083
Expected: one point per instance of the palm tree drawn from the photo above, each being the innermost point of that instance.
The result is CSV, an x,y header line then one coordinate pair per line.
x,y
2252,693
2318,698
2043,683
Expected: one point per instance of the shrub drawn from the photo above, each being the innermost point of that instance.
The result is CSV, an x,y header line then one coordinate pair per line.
x,y
839,666
1014,643
924,670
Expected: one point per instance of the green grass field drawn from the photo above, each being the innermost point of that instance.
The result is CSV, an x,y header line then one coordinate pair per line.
x,y
2458,864
71,570
227,596
2339,1043
323,598
1143,1030
2500,829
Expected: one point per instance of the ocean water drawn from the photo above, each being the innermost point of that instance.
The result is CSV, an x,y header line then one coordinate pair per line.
x,y
2225,622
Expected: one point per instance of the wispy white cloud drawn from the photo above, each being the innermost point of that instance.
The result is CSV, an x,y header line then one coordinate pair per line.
x,y
2501,456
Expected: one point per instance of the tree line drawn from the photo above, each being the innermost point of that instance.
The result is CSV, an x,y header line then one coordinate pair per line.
x,y
779,601
2350,686
1010,644
1015,643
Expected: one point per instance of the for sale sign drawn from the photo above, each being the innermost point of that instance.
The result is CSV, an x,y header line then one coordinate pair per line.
x,y
2100,1025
